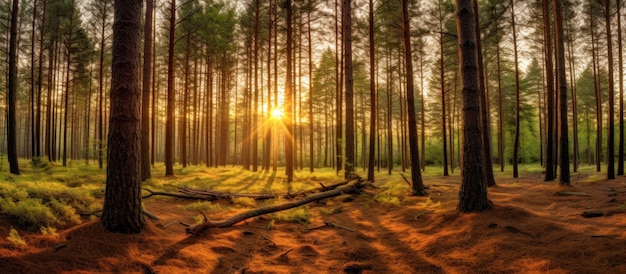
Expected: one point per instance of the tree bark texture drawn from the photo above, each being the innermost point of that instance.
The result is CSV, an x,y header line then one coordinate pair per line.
x,y
122,202
12,92
473,192
416,175
171,101
349,86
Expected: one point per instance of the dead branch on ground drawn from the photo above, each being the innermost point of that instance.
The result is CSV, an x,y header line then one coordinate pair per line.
x,y
211,195
359,184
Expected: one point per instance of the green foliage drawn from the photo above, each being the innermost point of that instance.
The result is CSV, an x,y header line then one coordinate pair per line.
x,y
41,163
204,206
15,239
330,211
28,212
47,230
393,192
295,215
244,201
429,203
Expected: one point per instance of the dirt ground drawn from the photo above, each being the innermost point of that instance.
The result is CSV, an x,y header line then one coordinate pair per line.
x,y
531,229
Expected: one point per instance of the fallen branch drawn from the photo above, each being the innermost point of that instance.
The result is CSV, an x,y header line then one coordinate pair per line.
x,y
405,179
274,208
150,215
409,183
178,195
317,189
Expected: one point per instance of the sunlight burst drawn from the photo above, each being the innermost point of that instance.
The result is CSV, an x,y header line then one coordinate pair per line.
x,y
277,113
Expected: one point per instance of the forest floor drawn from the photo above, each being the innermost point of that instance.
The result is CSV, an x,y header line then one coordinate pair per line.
x,y
530,229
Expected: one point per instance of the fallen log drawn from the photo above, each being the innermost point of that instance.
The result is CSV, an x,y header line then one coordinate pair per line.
x,y
211,195
359,184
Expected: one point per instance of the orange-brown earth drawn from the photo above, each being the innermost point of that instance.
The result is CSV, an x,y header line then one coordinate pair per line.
x,y
530,229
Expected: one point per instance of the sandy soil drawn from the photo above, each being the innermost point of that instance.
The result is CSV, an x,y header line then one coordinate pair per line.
x,y
531,229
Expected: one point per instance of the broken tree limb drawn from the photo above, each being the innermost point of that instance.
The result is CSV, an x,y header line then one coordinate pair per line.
x,y
317,189
274,208
409,183
405,179
178,195
150,215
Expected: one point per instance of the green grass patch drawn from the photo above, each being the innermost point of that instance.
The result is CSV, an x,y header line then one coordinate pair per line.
x,y
15,239
244,201
204,206
294,215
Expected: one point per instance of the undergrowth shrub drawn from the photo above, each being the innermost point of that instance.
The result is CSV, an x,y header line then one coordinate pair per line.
x,y
41,163
28,212
15,239
47,230
244,201
294,215
204,206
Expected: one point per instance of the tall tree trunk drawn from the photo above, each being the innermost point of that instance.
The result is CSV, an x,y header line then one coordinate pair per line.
x,y
184,107
549,174
598,95
416,175
473,192
122,211
562,82
500,110
373,98
611,135
39,79
12,92
484,113
255,110
153,118
145,94
289,141
443,92
572,84
349,86
33,130
620,153
101,92
310,47
268,131
68,83
517,91
171,101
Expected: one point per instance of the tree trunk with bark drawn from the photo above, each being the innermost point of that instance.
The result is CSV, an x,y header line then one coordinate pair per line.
x,y
473,192
12,92
550,125
145,94
122,210
171,101
562,82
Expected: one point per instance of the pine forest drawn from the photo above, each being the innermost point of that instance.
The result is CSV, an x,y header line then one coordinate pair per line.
x,y
312,136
